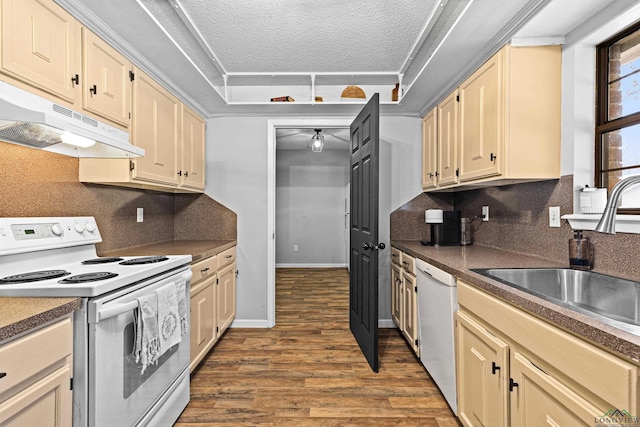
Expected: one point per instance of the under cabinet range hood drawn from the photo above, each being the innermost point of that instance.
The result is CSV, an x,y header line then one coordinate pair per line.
x,y
30,120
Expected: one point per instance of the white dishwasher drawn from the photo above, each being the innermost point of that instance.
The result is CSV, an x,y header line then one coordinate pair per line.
x,y
437,304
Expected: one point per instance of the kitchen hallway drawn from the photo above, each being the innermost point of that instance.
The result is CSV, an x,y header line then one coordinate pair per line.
x,y
308,369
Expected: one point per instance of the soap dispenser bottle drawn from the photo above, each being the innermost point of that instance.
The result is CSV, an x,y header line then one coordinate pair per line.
x,y
580,253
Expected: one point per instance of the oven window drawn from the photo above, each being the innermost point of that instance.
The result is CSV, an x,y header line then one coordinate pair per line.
x,y
133,379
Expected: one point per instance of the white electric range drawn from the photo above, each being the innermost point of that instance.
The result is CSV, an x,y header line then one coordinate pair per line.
x,y
56,257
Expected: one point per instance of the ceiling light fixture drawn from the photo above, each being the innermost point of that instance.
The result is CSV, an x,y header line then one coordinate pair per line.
x,y
317,141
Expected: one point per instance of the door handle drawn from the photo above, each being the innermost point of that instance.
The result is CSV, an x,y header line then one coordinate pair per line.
x,y
373,247
367,247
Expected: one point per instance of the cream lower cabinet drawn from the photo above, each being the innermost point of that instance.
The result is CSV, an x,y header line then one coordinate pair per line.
x,y
203,309
226,290
35,389
516,370
404,303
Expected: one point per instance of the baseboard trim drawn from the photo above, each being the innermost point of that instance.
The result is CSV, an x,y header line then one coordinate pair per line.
x,y
386,323
290,265
250,323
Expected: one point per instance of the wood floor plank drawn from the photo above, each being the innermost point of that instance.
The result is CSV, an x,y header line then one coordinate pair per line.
x,y
309,371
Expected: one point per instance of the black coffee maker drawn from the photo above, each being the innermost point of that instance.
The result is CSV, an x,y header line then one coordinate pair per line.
x,y
445,227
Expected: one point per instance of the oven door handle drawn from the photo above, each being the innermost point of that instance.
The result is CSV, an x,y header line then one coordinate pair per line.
x,y
106,312
116,310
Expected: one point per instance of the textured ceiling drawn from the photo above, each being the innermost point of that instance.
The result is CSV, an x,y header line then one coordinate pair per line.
x,y
194,47
310,35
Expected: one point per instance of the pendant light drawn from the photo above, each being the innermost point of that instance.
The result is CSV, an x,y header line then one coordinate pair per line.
x,y
317,141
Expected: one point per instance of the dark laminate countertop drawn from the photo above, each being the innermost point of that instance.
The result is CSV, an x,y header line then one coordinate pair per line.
x,y
458,260
198,249
18,315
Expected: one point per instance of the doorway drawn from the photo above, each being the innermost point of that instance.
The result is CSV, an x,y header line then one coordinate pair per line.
x,y
328,125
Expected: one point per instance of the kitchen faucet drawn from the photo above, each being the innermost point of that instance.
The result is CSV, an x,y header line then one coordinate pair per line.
x,y
607,222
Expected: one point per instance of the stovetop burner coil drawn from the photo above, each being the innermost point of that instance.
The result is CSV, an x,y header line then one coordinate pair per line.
x,y
33,276
104,260
89,277
144,260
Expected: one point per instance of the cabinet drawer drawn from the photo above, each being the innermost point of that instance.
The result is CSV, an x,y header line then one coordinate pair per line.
x,y
409,264
396,256
227,257
27,356
204,269
577,362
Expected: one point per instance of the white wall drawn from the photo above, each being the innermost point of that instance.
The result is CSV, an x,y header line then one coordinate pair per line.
x,y
237,178
310,207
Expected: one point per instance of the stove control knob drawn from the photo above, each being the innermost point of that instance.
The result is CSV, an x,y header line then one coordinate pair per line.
x,y
56,229
91,227
79,227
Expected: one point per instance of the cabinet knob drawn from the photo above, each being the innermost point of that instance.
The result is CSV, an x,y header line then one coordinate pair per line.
x,y
93,90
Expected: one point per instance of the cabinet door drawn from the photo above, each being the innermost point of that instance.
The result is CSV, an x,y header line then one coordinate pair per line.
x,y
155,127
192,170
429,150
41,46
409,312
482,375
45,403
396,295
203,318
226,297
447,119
107,83
539,399
482,121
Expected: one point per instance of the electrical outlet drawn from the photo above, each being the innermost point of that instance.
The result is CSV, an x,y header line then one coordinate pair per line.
x,y
140,214
295,248
554,216
485,213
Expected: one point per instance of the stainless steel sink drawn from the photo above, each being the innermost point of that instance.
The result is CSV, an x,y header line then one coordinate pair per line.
x,y
609,299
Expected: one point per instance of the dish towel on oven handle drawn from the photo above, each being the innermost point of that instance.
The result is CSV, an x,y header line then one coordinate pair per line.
x,y
182,306
146,348
170,330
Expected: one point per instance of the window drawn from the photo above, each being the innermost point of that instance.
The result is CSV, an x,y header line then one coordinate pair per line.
x,y
618,113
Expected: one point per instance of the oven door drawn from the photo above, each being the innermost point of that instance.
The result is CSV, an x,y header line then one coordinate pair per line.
x,y
119,395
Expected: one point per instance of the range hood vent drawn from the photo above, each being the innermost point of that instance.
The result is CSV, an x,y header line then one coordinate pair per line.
x,y
30,120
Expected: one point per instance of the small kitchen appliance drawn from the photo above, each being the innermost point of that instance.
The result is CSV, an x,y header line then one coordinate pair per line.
x,y
445,227
56,257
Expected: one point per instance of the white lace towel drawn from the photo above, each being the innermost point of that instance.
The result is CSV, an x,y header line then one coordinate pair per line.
x,y
147,346
182,307
168,317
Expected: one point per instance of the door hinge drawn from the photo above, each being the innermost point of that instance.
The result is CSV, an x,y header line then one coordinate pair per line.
x,y
416,343
217,281
132,76
132,165
457,98
70,383
416,289
458,172
217,329
129,115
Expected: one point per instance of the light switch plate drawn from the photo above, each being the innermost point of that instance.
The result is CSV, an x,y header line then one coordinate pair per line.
x,y
140,214
485,213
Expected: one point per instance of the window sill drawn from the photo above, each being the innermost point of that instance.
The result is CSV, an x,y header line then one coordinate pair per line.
x,y
624,223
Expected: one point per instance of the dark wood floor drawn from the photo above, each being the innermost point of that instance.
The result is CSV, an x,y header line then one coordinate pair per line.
x,y
308,370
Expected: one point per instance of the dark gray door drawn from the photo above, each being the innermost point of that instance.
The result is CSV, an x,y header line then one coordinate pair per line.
x,y
363,275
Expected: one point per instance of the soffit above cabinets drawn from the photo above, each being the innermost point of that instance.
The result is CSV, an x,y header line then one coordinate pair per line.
x,y
230,57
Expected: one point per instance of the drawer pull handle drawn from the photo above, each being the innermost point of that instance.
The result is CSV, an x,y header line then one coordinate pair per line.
x,y
3,374
229,256
204,270
494,368
512,384
93,90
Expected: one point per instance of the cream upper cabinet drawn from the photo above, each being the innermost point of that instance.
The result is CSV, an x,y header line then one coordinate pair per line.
x,y
41,46
429,150
502,124
156,128
447,114
482,361
481,118
107,80
192,154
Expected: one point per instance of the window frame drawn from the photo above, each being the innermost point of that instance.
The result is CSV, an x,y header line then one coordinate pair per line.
x,y
602,123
